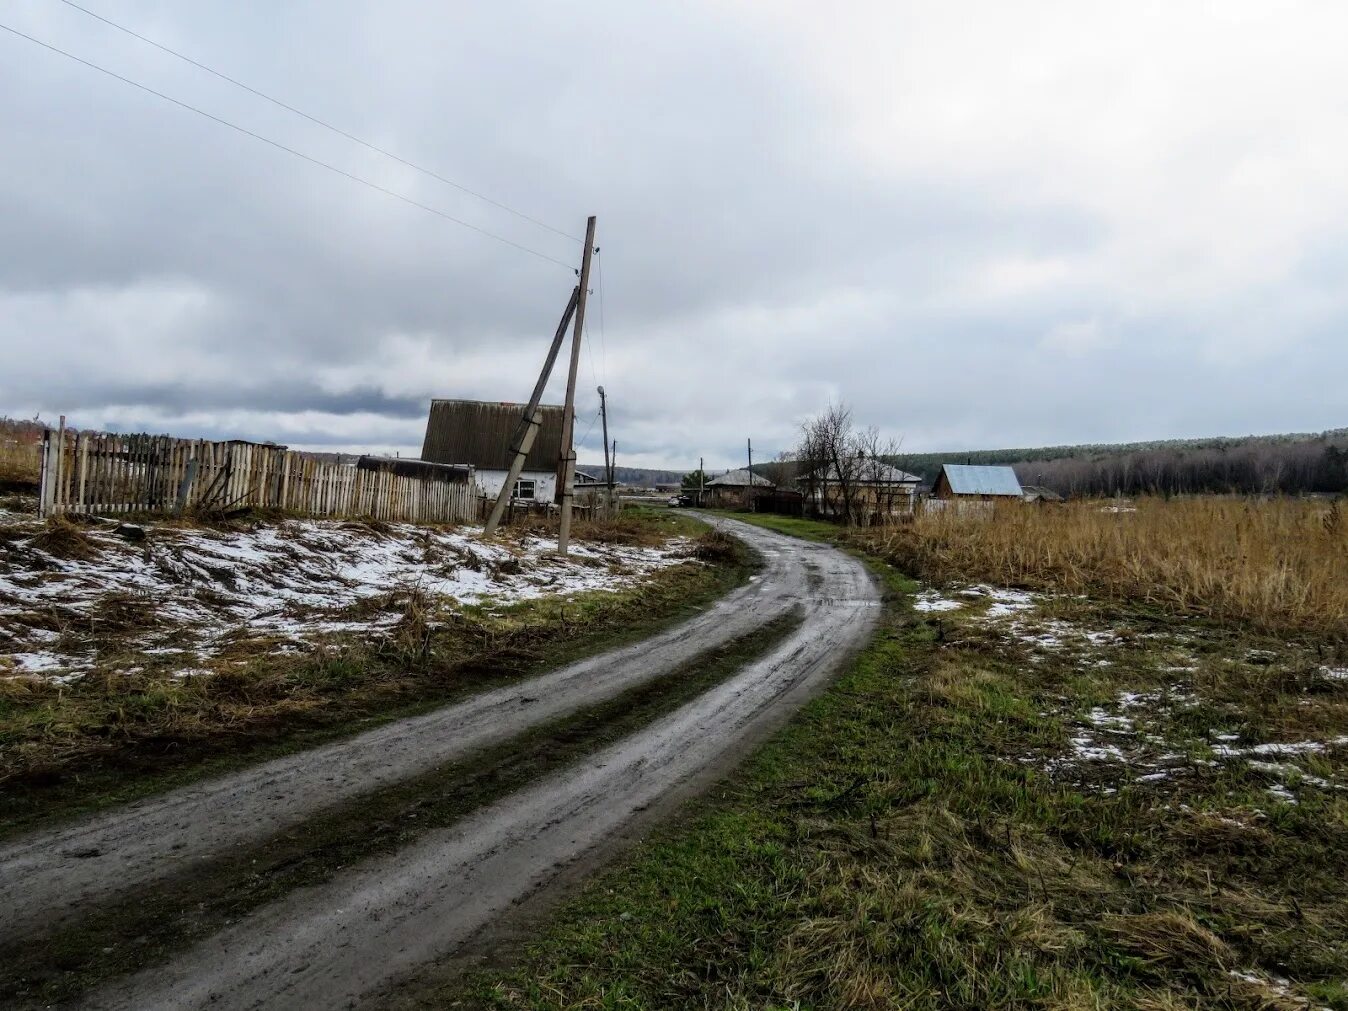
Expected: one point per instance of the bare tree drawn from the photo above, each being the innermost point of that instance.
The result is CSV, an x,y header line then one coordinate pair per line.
x,y
844,471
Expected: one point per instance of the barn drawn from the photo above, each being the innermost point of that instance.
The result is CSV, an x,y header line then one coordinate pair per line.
x,y
976,483
734,489
478,433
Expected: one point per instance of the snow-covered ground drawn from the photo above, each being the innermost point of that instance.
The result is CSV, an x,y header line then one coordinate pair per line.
x,y
178,594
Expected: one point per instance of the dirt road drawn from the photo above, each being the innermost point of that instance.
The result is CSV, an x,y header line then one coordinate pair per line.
x,y
342,942
45,878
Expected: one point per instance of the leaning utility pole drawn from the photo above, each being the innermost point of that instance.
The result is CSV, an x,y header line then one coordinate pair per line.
x,y
701,482
568,462
529,424
608,469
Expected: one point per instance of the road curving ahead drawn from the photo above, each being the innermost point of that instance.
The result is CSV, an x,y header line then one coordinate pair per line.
x,y
344,942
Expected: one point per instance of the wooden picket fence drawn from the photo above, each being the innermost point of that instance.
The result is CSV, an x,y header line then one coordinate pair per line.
x,y
106,474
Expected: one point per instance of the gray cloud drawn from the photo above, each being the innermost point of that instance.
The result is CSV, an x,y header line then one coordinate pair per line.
x,y
874,206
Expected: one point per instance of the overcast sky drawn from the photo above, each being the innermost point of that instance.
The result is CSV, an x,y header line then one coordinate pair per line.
x,y
979,224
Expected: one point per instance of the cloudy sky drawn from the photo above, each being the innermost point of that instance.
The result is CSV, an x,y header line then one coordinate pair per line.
x,y
979,224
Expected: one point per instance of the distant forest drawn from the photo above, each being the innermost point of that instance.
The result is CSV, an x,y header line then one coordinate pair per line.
x,y
1256,464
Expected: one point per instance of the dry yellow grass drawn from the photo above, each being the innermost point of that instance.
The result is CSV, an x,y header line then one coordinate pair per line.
x,y
1279,565
19,462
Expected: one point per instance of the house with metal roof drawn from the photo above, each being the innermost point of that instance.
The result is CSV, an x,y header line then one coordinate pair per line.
x,y
982,483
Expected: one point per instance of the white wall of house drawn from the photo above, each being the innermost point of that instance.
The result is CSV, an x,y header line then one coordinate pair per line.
x,y
544,484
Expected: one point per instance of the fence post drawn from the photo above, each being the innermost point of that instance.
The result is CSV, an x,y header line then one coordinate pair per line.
x,y
185,488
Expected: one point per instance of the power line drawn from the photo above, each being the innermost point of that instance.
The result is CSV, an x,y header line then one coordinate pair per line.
x,y
288,150
603,344
319,122
581,440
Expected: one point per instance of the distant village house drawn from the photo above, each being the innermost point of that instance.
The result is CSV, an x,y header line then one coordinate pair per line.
x,y
734,489
870,490
974,486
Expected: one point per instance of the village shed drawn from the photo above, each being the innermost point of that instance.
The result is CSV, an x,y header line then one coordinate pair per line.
x,y
976,482
478,434
734,489
1038,493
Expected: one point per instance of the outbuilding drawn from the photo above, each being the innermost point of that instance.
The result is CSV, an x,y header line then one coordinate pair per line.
x,y
478,434
734,489
976,483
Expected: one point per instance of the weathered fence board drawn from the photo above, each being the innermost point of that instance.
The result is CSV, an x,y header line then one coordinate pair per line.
x,y
106,473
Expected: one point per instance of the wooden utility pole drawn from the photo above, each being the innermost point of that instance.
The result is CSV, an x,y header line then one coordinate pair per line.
x,y
529,424
608,470
568,462
701,482
749,495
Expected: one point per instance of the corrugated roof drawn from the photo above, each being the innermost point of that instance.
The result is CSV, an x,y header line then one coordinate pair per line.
x,y
739,479
867,472
967,479
479,432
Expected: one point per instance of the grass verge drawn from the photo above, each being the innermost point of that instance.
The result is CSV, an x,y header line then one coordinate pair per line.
x,y
68,751
969,818
126,936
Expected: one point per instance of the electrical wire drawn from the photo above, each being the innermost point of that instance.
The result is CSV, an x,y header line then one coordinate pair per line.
x,y
581,440
603,344
288,150
319,122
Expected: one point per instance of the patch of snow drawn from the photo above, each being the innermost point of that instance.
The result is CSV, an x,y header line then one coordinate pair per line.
x,y
1112,723
1334,673
1294,748
294,581
1275,985
1088,750
1008,602
1280,793
930,600
39,662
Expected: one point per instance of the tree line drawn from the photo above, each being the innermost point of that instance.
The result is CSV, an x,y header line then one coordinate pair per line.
x,y
1259,466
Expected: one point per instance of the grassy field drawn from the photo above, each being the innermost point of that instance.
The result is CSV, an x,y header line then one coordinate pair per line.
x,y
1278,565
20,458
1080,787
119,733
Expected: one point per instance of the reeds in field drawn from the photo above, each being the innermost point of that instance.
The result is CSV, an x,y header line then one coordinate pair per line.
x,y
19,463
1280,565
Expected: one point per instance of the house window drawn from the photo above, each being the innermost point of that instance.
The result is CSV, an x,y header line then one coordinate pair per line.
x,y
524,489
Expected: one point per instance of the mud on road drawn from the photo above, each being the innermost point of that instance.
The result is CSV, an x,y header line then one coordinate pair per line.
x,y
342,942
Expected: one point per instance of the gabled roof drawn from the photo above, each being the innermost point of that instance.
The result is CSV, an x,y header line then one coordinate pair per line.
x,y
479,432
865,472
968,479
1034,491
740,479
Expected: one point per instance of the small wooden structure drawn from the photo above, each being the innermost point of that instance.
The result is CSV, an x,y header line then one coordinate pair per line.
x,y
734,489
976,483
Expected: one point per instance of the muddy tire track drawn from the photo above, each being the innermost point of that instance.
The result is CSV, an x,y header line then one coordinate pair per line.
x,y
341,943
47,877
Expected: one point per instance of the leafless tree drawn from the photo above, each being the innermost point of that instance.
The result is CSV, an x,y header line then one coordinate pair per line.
x,y
844,470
